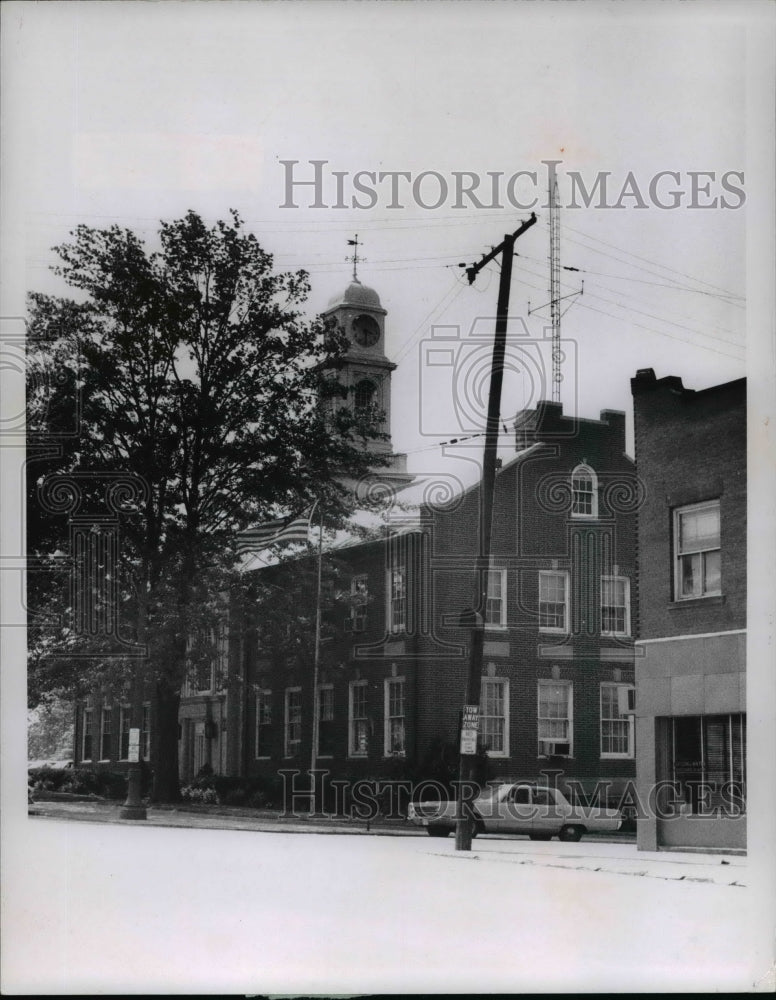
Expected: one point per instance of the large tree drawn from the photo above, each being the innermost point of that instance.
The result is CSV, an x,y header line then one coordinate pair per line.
x,y
182,387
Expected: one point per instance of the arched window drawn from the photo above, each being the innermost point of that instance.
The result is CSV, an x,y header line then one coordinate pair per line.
x,y
364,394
584,492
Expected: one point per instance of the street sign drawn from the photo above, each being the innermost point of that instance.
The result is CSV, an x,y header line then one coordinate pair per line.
x,y
134,746
470,727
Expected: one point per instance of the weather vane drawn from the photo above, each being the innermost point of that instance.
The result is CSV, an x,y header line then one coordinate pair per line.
x,y
355,257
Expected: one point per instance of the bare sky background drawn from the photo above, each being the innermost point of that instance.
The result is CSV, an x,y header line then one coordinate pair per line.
x,y
134,112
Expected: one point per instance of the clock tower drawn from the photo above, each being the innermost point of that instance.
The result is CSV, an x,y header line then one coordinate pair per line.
x,y
367,371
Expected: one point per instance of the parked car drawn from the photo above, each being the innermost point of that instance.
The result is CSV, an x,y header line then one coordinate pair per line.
x,y
519,807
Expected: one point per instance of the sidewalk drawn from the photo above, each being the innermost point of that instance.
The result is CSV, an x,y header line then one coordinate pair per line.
x,y
612,853
221,818
616,859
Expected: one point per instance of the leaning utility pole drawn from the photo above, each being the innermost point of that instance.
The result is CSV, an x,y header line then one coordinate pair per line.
x,y
464,824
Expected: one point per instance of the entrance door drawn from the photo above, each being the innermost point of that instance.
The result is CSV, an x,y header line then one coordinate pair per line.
x,y
199,747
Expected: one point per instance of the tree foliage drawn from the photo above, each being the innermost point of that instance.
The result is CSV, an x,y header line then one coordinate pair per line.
x,y
177,397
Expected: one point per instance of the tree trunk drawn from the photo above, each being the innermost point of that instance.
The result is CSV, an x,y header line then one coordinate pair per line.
x,y
164,758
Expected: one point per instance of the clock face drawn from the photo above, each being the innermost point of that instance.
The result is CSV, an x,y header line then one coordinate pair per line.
x,y
366,332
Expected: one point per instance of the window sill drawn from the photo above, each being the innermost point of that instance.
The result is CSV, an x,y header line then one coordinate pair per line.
x,y
264,757
713,600
497,753
553,631
617,756
555,756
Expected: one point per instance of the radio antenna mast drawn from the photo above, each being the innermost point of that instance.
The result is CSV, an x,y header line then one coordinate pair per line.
x,y
557,377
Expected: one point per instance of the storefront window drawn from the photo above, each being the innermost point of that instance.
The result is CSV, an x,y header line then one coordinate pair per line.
x,y
707,760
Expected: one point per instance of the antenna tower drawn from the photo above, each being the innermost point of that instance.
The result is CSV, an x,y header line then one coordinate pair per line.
x,y
557,377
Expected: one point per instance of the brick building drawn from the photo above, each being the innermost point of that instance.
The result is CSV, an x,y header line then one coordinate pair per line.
x,y
691,666
558,657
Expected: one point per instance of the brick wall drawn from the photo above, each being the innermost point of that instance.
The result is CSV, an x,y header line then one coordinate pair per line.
x,y
690,447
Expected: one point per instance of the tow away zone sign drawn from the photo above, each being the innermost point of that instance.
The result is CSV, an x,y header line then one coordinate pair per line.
x,y
470,727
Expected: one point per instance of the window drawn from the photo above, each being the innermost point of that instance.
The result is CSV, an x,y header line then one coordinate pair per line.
x,y
358,723
87,748
145,734
697,549
496,602
263,723
207,653
521,795
124,721
105,734
707,759
553,601
494,716
221,665
616,724
325,721
394,717
584,492
364,394
359,595
293,739
555,719
615,605
397,609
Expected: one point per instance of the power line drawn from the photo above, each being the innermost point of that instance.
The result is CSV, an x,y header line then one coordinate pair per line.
x,y
664,267
641,326
660,319
451,294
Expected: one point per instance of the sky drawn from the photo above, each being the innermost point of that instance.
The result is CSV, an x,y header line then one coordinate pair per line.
x,y
128,113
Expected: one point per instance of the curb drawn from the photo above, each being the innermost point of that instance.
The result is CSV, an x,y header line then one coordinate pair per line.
x,y
245,821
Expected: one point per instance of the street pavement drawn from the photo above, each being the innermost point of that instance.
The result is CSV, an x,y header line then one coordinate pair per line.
x,y
613,853
172,905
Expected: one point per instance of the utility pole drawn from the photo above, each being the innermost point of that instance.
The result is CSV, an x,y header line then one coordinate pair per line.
x,y
464,824
316,662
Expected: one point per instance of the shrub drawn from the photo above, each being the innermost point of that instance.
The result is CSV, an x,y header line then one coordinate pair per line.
x,y
196,793
258,792
79,781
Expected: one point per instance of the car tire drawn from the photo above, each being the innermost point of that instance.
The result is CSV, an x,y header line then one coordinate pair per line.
x,y
438,831
571,834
